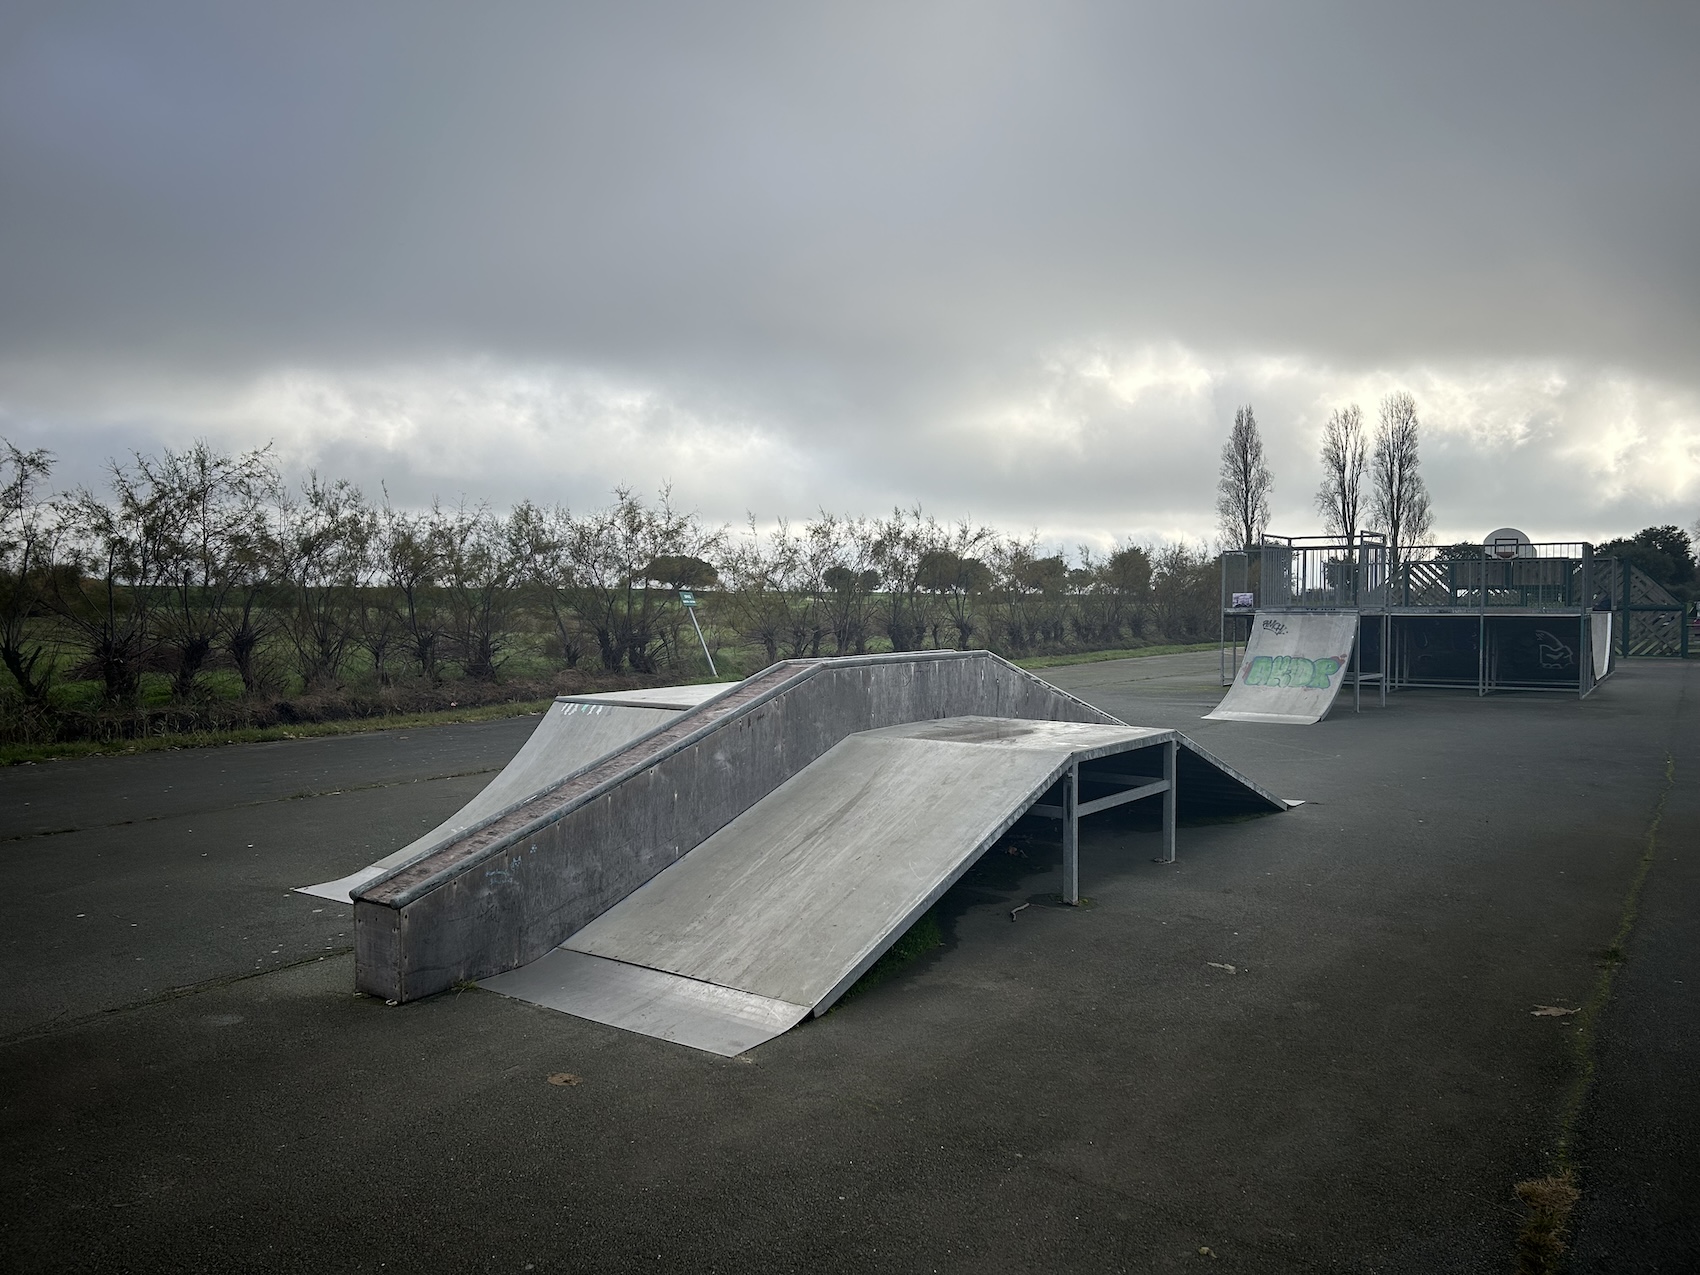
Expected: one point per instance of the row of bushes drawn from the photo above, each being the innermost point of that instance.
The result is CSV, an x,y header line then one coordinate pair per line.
x,y
198,577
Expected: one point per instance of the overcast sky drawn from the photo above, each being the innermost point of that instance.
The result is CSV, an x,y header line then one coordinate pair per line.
x,y
1014,262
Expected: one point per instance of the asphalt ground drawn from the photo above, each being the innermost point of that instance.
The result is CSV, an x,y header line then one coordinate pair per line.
x,y
188,1082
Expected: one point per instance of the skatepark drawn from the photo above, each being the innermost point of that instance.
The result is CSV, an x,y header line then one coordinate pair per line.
x,y
1307,1042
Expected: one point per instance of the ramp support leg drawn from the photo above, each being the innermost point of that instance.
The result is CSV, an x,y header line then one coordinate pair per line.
x,y
1170,750
1071,835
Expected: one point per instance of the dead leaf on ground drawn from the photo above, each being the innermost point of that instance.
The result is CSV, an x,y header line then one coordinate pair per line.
x,y
1552,1011
1219,965
565,1078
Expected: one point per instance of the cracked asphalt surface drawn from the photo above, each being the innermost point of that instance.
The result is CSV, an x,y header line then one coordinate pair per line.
x,y
189,1082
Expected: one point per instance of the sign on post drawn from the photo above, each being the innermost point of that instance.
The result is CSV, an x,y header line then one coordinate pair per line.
x,y
689,600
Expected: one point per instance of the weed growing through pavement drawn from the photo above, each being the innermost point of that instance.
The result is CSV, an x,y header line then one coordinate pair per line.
x,y
1551,1200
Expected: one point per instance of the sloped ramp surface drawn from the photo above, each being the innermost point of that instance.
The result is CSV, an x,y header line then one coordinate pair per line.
x,y
513,888
1293,668
576,731
774,916
1600,642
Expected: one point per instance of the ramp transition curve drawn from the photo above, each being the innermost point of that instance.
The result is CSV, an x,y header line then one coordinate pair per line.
x,y
1294,665
576,731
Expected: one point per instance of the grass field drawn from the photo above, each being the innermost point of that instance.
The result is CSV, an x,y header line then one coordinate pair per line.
x,y
17,754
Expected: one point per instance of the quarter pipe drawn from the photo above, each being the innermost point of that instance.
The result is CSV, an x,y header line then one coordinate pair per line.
x,y
1293,668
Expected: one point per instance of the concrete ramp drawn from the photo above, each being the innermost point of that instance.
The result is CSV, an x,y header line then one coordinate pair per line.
x,y
1294,665
778,913
514,887
576,731
1599,643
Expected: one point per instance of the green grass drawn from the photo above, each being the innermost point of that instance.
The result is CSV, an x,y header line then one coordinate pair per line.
x,y
156,690
16,754
919,939
1093,657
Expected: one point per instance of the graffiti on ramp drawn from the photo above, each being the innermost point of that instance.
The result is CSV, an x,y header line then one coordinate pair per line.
x,y
1292,669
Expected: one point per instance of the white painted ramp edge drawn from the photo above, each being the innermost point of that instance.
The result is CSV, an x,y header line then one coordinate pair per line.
x,y
1293,669
686,1011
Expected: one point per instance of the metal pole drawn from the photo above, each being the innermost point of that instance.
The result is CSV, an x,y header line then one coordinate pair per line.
x,y
1623,598
1481,632
1585,634
1222,642
1358,666
712,670
1071,835
1386,655
1169,751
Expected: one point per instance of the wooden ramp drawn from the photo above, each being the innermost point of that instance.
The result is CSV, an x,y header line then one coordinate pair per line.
x,y
775,915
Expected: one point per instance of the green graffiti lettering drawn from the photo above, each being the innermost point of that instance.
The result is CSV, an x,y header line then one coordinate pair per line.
x,y
1293,670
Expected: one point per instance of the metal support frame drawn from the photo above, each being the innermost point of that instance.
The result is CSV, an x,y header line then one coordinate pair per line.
x,y
1171,753
1071,835
1557,581
1072,809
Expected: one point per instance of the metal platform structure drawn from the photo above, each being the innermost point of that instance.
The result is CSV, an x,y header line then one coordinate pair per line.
x,y
716,879
774,917
1509,616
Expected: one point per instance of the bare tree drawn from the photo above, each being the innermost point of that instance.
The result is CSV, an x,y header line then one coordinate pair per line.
x,y
957,580
1398,497
774,593
541,538
606,555
1242,491
1345,455
323,546
899,544
106,587
27,642
844,548
1033,594
1112,594
480,576
214,522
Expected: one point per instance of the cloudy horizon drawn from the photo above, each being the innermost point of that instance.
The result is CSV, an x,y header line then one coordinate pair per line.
x,y
1012,263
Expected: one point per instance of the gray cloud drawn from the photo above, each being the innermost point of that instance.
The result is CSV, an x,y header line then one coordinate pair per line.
x,y
1013,261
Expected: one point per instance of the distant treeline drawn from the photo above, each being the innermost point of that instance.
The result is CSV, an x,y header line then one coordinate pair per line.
x,y
198,577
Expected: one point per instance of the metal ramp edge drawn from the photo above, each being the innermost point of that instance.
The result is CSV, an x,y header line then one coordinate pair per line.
x,y
793,901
